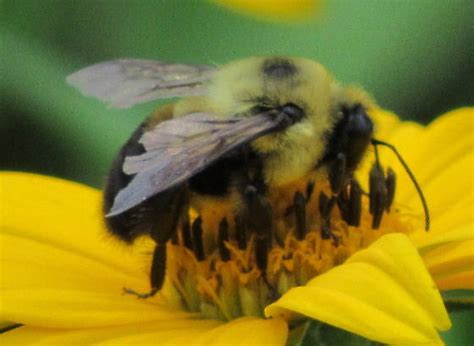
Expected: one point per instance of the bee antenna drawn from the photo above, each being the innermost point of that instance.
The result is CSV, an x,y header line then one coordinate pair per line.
x,y
376,142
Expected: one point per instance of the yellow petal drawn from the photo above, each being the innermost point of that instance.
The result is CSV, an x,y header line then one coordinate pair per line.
x,y
426,241
441,144
448,188
242,331
274,9
452,265
31,263
441,159
61,249
162,329
63,214
78,309
456,281
454,217
383,293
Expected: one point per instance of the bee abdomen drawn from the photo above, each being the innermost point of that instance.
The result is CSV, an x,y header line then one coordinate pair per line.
x,y
139,220
127,225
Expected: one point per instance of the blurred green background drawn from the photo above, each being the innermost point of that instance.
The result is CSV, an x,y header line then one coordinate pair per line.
x,y
415,57
411,55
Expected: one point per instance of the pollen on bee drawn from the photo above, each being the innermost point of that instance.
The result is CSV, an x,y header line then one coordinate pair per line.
x,y
279,242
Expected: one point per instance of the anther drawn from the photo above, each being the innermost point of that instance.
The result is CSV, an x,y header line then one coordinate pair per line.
x,y
376,142
337,173
260,222
260,214
325,207
197,239
186,234
299,203
355,204
222,238
377,195
174,238
390,184
241,231
309,190
343,204
261,253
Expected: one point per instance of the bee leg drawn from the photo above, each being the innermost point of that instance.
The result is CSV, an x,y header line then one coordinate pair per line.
x,y
169,208
157,275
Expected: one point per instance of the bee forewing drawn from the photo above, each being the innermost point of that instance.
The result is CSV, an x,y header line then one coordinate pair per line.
x,y
180,148
126,82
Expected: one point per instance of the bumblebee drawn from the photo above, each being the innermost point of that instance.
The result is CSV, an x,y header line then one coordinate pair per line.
x,y
237,130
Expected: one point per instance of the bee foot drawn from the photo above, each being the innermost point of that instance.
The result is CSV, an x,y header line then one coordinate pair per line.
x,y
140,295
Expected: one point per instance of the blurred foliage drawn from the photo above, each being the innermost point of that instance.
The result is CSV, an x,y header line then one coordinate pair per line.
x,y
411,55
415,57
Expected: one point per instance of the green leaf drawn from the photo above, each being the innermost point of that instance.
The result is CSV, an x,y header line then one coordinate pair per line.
x,y
463,297
322,334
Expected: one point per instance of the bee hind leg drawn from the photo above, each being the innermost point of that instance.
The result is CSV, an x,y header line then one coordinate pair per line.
x,y
169,208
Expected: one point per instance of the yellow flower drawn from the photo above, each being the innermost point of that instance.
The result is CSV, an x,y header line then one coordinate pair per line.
x,y
62,275
279,10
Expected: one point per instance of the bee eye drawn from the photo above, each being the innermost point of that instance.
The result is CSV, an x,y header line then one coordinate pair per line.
x,y
293,111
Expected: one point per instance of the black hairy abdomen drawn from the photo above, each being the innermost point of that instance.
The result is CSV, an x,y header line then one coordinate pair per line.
x,y
157,216
216,179
124,225
160,213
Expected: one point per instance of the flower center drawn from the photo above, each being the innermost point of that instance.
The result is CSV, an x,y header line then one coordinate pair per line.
x,y
226,267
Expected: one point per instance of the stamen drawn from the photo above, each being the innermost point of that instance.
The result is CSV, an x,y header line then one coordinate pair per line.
x,y
343,204
299,203
337,173
197,239
377,194
261,253
241,232
260,221
174,238
376,142
325,207
390,183
186,234
309,190
355,204
222,238
272,250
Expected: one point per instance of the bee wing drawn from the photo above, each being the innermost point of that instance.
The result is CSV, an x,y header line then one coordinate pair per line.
x,y
178,149
125,82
